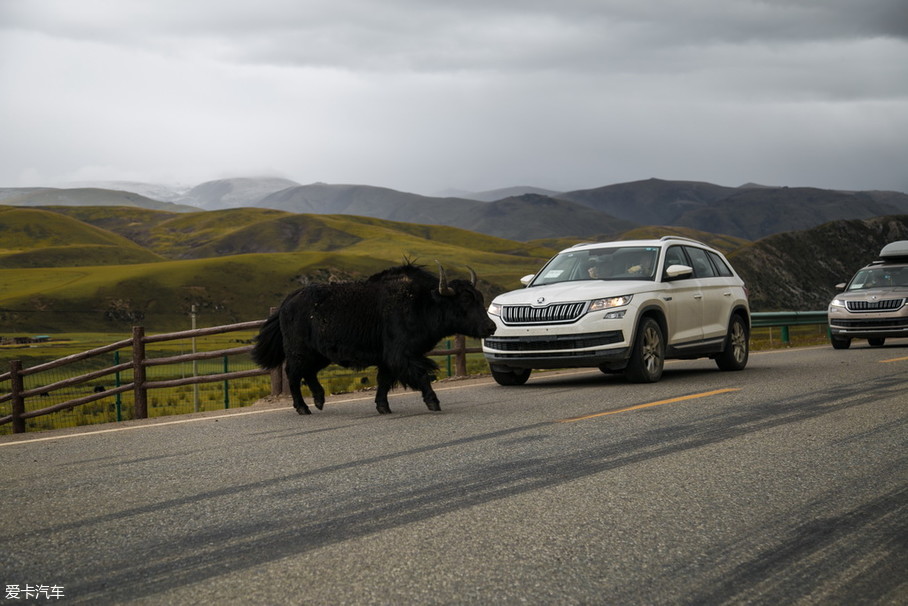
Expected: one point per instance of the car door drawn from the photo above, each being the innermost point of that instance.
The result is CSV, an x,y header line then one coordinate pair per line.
x,y
714,294
683,302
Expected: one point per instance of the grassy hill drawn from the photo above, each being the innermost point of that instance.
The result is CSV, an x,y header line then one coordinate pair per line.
x,y
233,264
40,238
105,269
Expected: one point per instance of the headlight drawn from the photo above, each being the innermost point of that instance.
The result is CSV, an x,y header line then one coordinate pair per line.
x,y
494,309
837,303
600,304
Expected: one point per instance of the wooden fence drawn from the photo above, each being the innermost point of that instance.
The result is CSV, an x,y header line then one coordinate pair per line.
x,y
140,386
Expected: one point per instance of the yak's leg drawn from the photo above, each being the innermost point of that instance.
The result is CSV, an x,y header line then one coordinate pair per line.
x,y
310,376
294,377
385,381
419,377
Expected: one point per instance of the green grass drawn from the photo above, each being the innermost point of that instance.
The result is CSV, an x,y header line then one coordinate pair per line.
x,y
248,261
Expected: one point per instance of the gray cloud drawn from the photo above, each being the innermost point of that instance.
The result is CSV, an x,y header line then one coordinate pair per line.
x,y
422,95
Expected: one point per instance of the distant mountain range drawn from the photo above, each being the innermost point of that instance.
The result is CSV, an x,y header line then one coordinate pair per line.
x,y
520,213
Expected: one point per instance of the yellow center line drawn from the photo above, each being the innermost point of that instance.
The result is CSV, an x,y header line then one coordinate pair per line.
x,y
894,360
650,404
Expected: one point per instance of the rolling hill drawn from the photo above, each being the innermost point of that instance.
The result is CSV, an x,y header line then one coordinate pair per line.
x,y
232,264
40,238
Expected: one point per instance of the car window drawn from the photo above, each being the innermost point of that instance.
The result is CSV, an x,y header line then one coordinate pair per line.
x,y
721,266
700,262
879,277
607,263
675,256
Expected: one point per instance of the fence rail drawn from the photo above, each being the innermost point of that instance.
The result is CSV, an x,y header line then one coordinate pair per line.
x,y
140,385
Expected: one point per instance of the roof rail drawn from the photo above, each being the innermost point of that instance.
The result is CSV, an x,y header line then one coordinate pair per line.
x,y
664,238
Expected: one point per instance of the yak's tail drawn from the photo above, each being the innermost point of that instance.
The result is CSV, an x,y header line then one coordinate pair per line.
x,y
269,344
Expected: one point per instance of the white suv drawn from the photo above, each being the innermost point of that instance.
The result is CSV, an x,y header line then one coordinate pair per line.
x,y
622,307
874,304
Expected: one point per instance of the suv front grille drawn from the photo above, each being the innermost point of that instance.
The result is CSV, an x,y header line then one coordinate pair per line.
x,y
550,314
885,305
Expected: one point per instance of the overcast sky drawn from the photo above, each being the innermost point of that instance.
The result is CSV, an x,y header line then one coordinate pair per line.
x,y
421,95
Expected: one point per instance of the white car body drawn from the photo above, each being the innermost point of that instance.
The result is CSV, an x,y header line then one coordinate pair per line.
x,y
873,305
579,321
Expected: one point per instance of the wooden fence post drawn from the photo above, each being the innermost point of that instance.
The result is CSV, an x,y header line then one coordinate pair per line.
x,y
460,366
17,387
138,373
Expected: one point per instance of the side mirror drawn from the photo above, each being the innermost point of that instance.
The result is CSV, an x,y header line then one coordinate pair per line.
x,y
840,286
677,272
527,279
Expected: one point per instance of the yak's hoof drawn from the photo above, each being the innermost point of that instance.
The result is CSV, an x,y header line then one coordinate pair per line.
x,y
303,410
383,410
433,406
319,405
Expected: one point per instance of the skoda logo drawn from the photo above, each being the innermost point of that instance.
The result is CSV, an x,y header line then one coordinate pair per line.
x,y
540,300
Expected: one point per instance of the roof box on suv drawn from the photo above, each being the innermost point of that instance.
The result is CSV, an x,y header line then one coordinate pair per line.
x,y
895,249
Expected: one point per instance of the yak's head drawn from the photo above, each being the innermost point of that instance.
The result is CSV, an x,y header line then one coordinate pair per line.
x,y
464,305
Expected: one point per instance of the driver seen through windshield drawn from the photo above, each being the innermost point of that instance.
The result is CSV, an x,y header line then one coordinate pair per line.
x,y
613,263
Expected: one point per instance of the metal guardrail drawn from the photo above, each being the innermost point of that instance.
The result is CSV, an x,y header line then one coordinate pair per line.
x,y
785,319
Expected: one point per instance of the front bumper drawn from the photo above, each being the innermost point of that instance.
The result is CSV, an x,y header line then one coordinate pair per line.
x,y
556,351
869,329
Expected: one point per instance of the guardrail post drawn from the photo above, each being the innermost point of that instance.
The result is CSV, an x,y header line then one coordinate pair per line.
x,y
138,373
460,358
786,336
17,387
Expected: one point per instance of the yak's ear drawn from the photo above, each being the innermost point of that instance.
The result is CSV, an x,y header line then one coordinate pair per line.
x,y
443,288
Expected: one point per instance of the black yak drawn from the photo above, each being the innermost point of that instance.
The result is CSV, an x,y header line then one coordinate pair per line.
x,y
390,320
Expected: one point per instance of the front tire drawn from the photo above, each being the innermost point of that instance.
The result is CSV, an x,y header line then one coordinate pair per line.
x,y
737,346
840,343
512,377
876,342
648,355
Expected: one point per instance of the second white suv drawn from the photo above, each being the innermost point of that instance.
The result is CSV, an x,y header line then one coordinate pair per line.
x,y
622,307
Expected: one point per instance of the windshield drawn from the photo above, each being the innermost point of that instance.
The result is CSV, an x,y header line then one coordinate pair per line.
x,y
612,263
880,277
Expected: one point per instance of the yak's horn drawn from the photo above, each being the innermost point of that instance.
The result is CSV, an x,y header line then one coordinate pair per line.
x,y
443,288
472,276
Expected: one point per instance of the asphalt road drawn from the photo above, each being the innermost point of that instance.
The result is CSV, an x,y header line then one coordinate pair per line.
x,y
786,483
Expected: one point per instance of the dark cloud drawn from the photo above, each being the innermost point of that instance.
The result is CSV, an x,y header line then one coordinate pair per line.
x,y
474,94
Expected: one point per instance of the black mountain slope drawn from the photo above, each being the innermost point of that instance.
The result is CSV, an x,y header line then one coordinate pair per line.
x,y
650,202
523,217
750,212
369,201
532,216
754,213
798,270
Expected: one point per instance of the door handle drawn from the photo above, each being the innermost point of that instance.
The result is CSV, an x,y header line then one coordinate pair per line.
x,y
698,296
